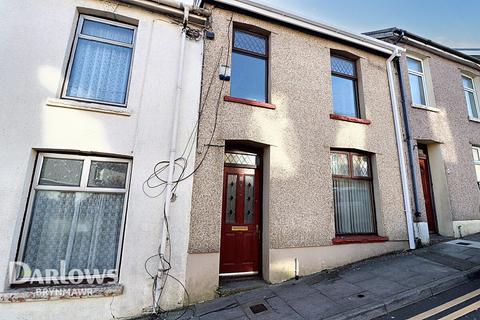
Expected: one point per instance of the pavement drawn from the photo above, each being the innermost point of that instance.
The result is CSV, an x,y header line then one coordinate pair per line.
x,y
364,290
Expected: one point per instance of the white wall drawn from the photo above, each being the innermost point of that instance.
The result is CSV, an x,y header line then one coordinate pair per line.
x,y
34,46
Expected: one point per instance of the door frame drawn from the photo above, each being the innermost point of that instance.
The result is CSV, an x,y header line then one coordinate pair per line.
x,y
258,151
425,156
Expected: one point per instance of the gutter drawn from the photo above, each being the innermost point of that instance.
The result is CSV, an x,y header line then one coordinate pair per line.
x,y
401,155
317,27
172,8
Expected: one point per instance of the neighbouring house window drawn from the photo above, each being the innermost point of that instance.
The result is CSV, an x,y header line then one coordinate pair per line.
x,y
416,76
476,160
352,193
470,97
249,79
344,86
100,63
75,216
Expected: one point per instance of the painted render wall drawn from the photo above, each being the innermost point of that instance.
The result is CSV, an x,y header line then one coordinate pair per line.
x,y
297,138
449,134
36,41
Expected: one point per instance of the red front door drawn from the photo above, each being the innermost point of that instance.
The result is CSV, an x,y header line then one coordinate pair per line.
x,y
427,192
240,238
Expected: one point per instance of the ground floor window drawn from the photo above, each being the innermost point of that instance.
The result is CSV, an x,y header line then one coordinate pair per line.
x,y
75,217
352,193
476,160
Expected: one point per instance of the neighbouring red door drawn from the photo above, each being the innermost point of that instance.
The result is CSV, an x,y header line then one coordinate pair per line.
x,y
240,238
427,192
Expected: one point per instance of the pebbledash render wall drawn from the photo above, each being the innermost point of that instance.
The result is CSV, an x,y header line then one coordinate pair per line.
x,y
449,134
296,137
36,42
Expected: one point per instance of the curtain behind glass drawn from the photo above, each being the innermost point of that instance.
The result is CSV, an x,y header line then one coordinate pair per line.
x,y
100,72
353,206
81,228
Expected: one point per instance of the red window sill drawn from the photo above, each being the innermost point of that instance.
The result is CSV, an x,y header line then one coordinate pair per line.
x,y
250,102
358,239
349,119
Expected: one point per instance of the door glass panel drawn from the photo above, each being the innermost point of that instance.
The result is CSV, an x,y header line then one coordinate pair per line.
x,y
248,215
231,198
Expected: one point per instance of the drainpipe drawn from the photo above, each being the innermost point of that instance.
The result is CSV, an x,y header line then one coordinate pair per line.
x,y
173,151
401,156
408,137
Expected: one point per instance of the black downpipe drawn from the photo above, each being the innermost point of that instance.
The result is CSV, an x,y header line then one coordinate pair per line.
x,y
408,137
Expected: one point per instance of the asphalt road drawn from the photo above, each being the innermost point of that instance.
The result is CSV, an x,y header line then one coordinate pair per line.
x,y
462,302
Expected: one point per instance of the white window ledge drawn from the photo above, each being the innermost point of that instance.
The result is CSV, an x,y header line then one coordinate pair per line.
x,y
433,109
474,119
60,292
79,105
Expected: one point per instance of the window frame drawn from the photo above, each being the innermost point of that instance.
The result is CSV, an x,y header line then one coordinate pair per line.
x,y
351,176
78,34
82,188
476,163
475,96
422,75
349,77
265,57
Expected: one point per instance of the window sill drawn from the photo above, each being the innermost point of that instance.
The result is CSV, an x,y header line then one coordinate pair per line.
x,y
358,239
349,119
72,104
250,102
60,292
473,119
416,106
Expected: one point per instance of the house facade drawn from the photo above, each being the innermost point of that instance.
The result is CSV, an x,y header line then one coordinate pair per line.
x,y
442,107
298,150
89,94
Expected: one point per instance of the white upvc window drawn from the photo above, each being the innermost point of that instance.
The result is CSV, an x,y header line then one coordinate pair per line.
x,y
417,79
74,221
100,62
476,161
470,97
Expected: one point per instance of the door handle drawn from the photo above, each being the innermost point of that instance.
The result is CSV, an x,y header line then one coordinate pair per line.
x,y
258,232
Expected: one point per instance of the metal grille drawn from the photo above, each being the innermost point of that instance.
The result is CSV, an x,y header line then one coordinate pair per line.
x,y
240,159
343,66
250,42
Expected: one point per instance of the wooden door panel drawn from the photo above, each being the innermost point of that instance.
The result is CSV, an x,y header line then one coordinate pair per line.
x,y
240,241
427,194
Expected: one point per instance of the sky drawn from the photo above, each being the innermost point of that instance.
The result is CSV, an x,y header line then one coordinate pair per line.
x,y
455,23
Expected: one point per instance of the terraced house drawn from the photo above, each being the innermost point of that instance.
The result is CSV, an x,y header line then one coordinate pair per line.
x,y
298,149
442,109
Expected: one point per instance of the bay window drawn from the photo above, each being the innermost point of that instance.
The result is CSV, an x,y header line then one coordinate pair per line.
x,y
352,193
75,216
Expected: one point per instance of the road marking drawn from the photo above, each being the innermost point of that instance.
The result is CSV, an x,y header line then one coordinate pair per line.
x,y
459,313
446,305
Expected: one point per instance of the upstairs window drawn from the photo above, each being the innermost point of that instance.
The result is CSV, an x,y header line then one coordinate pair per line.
x,y
344,86
352,193
249,79
470,97
416,76
476,161
100,63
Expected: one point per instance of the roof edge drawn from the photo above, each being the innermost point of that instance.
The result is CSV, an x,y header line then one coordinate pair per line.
x,y
315,26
